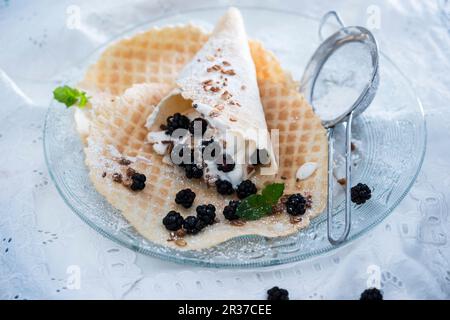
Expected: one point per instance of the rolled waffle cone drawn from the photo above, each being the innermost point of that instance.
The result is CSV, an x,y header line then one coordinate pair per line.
x,y
117,130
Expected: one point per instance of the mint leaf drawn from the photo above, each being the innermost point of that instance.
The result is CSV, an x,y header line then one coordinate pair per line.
x,y
273,192
257,206
70,96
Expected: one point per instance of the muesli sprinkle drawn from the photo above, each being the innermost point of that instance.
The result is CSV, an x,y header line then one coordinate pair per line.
x,y
229,72
117,177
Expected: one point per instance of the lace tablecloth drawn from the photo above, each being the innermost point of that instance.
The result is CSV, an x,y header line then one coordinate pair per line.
x,y
46,251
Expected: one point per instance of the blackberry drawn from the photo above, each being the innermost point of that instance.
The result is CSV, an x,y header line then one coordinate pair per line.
x,y
173,221
229,211
245,188
224,187
360,193
193,225
372,294
138,181
227,164
193,171
277,294
177,121
139,177
206,213
199,122
296,204
185,197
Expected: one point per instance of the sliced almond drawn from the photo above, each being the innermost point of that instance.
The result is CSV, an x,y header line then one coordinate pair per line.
x,y
181,242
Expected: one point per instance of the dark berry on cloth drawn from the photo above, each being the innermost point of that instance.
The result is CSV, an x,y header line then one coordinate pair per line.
x,y
372,294
360,193
296,204
245,189
229,211
193,171
277,294
185,198
193,225
177,121
206,213
138,181
198,123
224,187
173,221
227,164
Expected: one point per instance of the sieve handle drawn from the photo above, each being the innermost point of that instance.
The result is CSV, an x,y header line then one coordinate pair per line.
x,y
348,172
324,20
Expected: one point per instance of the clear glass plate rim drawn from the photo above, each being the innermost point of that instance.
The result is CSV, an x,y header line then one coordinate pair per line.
x,y
241,264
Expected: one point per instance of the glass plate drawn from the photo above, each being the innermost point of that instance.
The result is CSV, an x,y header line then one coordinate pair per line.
x,y
392,132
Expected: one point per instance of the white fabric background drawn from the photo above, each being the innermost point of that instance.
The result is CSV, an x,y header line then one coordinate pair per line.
x,y
40,238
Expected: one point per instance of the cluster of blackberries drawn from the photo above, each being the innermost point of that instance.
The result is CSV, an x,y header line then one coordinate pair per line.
x,y
206,215
138,181
244,189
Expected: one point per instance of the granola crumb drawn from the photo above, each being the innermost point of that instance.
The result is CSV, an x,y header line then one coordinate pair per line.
x,y
352,146
130,171
295,219
215,89
342,181
233,119
124,161
127,182
210,58
237,223
214,114
207,82
283,178
103,174
226,95
226,63
278,208
117,177
243,87
180,233
229,72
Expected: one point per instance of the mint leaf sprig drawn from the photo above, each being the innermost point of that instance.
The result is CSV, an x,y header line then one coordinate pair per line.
x,y
257,206
70,96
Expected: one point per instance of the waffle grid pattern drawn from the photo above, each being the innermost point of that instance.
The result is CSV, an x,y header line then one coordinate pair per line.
x,y
156,57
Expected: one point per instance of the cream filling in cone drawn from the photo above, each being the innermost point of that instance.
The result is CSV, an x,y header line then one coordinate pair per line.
x,y
220,84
